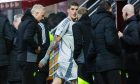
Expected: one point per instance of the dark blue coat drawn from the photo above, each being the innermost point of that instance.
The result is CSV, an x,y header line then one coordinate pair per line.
x,y
26,32
130,37
82,37
6,37
14,72
131,42
106,43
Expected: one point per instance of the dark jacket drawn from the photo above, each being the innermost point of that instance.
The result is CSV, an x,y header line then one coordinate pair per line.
x,y
131,42
106,43
14,73
6,37
130,37
27,31
44,46
82,36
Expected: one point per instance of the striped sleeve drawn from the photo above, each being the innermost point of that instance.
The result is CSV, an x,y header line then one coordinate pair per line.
x,y
62,27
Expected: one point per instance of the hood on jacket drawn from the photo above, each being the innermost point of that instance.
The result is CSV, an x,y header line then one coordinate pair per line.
x,y
99,15
85,19
28,16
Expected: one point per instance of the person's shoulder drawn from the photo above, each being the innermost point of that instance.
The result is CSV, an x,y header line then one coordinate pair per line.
x,y
78,24
2,15
29,22
3,18
64,22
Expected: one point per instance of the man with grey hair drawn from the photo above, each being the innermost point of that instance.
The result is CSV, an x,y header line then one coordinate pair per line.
x,y
28,42
130,41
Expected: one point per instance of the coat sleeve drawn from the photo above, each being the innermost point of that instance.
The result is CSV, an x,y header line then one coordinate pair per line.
x,y
111,37
131,36
8,31
8,35
29,35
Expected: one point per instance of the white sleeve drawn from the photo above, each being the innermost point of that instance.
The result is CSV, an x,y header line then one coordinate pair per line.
x,y
62,27
44,61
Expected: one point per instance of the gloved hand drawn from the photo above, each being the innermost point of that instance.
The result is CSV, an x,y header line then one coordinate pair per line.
x,y
44,61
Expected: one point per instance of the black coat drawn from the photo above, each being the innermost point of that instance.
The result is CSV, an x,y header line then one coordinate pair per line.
x,y
130,37
27,41
44,46
82,37
131,42
14,72
106,43
6,37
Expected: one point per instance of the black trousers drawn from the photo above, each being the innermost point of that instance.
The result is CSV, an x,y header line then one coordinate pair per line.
x,y
14,70
83,74
42,74
133,77
3,74
108,77
29,73
15,82
132,66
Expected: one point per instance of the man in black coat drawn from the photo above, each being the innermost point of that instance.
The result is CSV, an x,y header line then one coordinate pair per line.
x,y
82,37
107,63
130,41
28,46
14,72
6,37
44,43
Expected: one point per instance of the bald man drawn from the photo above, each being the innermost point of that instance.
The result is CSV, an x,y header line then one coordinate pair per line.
x,y
130,42
128,11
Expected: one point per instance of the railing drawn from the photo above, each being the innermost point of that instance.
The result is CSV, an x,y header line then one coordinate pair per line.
x,y
83,3
112,4
92,12
94,4
98,2
136,2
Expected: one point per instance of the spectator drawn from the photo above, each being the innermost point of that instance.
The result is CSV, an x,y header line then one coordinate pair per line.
x,y
82,38
28,47
44,43
6,38
130,42
14,74
107,63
